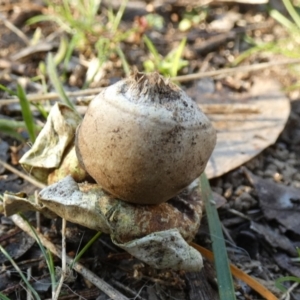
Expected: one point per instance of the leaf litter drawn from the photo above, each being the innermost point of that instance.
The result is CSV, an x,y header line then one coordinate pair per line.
x,y
223,187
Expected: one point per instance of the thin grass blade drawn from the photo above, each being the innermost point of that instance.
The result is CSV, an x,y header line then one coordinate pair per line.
x,y
12,128
26,113
176,64
3,297
152,49
47,255
85,248
51,68
224,278
125,64
280,18
36,295
279,281
292,11
119,15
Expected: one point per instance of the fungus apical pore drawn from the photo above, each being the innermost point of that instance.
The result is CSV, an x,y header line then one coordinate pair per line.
x,y
144,140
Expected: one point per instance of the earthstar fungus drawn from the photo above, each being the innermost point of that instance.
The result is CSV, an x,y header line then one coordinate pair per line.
x,y
144,140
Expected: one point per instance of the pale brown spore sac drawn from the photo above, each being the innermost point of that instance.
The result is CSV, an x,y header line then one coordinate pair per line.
x,y
144,140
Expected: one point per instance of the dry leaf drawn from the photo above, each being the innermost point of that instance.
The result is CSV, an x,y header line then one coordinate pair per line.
x,y
278,201
246,123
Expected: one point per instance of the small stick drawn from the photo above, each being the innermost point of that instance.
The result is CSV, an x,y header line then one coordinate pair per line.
x,y
63,259
183,78
22,175
52,96
286,295
243,69
29,293
14,29
97,281
229,108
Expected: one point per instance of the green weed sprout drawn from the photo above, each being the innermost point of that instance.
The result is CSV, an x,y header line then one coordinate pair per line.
x,y
88,34
12,126
280,280
47,255
289,46
27,283
224,277
169,65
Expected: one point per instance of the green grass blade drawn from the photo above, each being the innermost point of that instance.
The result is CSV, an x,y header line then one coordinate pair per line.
x,y
11,128
292,11
125,64
56,83
119,15
62,50
280,18
152,50
7,90
224,277
85,248
176,64
3,297
279,281
47,255
20,273
26,113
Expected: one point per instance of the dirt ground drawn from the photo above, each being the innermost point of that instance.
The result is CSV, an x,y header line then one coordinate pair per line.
x,y
259,203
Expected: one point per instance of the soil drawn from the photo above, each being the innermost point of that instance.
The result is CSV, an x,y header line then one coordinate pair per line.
x,y
261,235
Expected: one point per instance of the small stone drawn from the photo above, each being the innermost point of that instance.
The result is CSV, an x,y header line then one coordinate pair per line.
x,y
245,201
289,172
228,192
272,167
282,154
277,177
279,164
269,173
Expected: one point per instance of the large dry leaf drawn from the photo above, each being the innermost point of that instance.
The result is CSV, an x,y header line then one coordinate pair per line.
x,y
246,123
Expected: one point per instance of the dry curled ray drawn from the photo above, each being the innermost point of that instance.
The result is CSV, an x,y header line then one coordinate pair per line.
x,y
177,254
46,153
89,205
157,235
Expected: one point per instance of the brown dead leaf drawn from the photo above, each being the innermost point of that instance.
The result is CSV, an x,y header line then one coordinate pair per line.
x,y
246,123
284,262
274,237
278,202
17,246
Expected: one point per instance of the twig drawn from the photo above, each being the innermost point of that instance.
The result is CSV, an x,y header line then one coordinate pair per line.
x,y
238,213
63,259
14,29
101,284
41,47
229,108
29,273
227,71
127,289
52,96
286,295
22,175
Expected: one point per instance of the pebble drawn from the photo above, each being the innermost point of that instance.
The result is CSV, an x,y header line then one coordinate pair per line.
x,y
244,202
